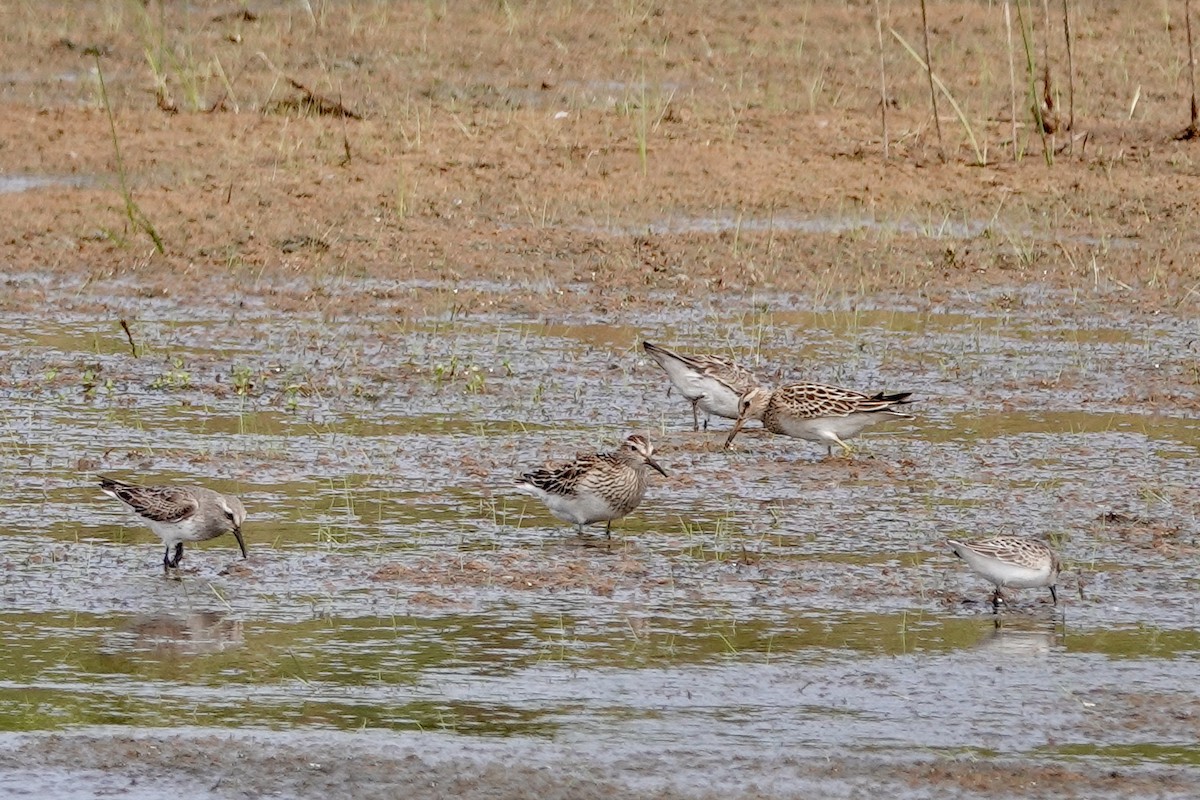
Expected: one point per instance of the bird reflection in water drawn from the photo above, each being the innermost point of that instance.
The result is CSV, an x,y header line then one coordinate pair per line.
x,y
1021,637
195,633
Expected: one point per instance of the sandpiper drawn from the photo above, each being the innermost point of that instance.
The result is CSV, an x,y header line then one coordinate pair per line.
x,y
1011,561
597,487
710,383
825,414
179,514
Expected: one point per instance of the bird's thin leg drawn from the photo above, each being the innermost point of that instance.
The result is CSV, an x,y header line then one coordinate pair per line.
x,y
696,417
996,598
1054,594
167,559
846,449
608,529
178,554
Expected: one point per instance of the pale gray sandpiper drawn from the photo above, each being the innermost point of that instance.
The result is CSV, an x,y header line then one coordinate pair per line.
x,y
828,415
597,487
1011,561
179,514
712,384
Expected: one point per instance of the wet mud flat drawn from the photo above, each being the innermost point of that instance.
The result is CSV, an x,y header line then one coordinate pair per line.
x,y
768,623
431,765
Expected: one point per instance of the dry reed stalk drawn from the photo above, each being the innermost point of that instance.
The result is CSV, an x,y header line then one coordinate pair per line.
x,y
1066,6
883,102
929,71
980,156
129,336
1192,131
1031,73
1049,118
1012,79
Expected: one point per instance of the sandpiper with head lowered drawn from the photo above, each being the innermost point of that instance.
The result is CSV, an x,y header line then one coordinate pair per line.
x,y
826,414
712,384
597,487
1012,561
179,514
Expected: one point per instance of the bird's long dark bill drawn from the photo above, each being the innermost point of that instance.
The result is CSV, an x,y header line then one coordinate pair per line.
x,y
655,464
237,534
737,426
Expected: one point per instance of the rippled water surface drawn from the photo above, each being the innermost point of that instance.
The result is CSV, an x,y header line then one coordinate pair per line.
x,y
763,606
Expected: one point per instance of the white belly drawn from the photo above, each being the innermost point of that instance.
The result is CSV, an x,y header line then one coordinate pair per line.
x,y
826,430
578,509
719,400
1017,577
173,533
1002,573
581,509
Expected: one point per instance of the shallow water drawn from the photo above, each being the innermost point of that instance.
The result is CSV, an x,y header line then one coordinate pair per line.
x,y
27,183
762,604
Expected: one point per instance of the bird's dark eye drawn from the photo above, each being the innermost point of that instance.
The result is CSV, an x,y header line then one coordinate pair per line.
x,y
229,515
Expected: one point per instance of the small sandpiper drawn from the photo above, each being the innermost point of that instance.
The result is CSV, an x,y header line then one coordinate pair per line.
x,y
712,384
1012,561
179,514
825,414
597,487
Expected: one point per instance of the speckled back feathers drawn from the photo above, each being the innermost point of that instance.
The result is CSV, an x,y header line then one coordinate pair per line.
x,y
595,486
1017,550
155,503
812,400
732,375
